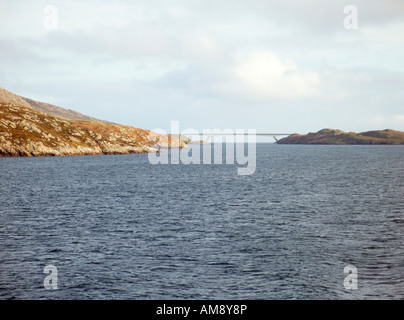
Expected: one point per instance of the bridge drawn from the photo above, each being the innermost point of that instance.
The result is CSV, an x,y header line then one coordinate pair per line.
x,y
274,135
212,134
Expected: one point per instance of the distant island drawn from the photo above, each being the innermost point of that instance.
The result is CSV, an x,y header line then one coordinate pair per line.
x,y
331,136
32,128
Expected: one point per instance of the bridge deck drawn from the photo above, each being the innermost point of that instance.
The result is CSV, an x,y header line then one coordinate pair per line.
x,y
238,134
246,134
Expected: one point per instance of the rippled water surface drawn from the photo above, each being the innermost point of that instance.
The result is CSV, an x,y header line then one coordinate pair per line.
x,y
118,227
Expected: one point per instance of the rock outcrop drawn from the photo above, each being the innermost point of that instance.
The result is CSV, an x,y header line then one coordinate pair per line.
x,y
28,132
67,114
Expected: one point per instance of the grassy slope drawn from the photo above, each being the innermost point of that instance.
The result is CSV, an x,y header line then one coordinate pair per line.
x,y
27,132
329,136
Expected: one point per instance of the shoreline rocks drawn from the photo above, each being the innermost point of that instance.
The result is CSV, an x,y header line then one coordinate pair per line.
x,y
28,132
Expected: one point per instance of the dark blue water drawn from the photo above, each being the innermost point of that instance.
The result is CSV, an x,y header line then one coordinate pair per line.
x,y
118,227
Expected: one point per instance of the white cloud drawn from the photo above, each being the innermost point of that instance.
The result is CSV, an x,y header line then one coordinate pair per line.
x,y
265,74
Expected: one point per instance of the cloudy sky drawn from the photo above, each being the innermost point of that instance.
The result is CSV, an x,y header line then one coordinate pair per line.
x,y
269,65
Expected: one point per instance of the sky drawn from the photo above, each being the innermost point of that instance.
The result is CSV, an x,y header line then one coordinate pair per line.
x,y
273,66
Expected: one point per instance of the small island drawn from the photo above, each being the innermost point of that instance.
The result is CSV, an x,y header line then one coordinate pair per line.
x,y
331,136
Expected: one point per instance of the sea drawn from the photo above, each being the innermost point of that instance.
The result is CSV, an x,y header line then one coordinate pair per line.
x,y
312,222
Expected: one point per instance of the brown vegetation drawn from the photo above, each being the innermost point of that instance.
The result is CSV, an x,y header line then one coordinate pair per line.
x,y
330,136
27,132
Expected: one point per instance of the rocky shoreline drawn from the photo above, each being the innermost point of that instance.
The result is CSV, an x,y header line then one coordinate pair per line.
x,y
28,132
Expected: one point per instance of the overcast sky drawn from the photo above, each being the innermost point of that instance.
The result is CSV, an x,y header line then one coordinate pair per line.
x,y
269,65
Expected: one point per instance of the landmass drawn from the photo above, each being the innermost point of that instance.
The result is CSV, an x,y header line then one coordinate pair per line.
x,y
32,128
331,136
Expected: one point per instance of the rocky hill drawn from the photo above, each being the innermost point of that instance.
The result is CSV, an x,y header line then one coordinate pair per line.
x,y
25,131
67,114
330,136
